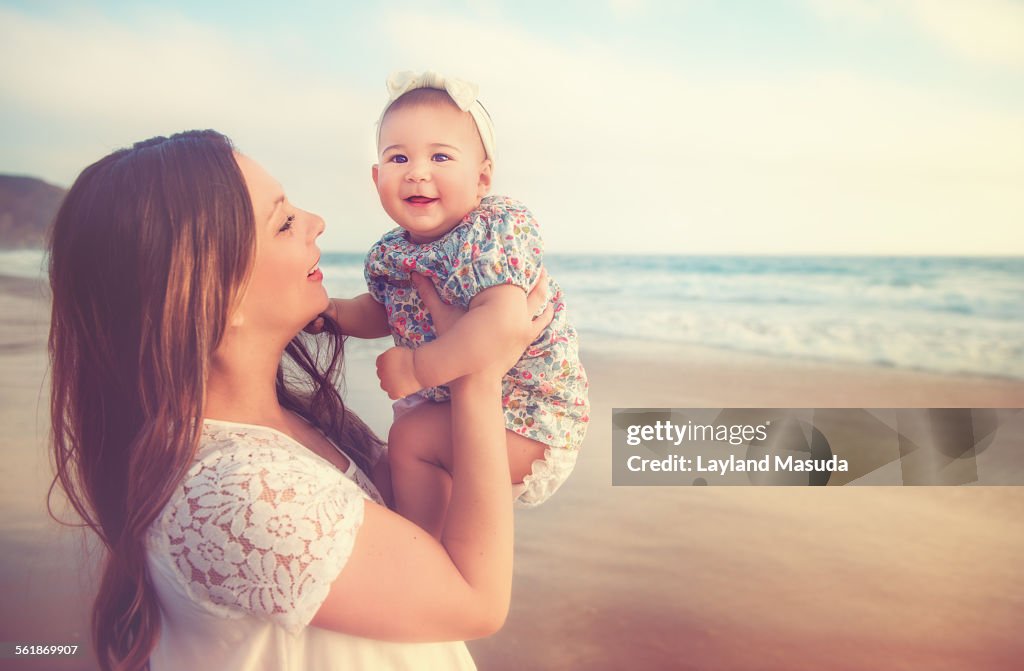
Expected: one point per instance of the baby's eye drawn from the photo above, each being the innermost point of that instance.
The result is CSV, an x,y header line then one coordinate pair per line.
x,y
287,224
398,158
440,158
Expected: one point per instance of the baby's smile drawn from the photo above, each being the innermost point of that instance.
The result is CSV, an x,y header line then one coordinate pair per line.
x,y
420,200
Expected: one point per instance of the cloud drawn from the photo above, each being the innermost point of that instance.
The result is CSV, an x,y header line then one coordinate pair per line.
x,y
90,85
862,11
623,9
162,68
614,149
816,160
987,32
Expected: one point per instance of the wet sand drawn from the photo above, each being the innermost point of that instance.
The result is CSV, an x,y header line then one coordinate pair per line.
x,y
766,578
634,577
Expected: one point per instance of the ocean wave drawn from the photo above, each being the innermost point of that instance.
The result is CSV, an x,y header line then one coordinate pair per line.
x,y
941,314
953,315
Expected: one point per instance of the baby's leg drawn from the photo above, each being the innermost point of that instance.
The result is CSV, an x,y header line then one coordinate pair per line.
x,y
522,452
420,453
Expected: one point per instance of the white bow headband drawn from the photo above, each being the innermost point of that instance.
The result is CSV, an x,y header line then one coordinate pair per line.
x,y
462,93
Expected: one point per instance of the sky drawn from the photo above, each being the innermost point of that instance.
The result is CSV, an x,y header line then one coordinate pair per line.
x,y
890,127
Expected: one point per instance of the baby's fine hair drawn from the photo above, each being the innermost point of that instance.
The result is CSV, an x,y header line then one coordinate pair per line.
x,y
430,97
420,98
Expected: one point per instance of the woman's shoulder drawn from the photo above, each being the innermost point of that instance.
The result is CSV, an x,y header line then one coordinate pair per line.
x,y
234,447
243,462
253,511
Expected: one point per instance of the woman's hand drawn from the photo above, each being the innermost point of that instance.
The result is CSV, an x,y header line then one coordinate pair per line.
x,y
316,326
444,315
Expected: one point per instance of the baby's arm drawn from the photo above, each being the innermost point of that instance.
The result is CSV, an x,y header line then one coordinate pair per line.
x,y
362,316
468,347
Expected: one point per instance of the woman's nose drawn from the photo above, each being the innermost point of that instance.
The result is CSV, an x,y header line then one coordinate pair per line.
x,y
316,225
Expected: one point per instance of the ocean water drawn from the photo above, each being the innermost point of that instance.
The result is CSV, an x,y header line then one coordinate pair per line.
x,y
942,314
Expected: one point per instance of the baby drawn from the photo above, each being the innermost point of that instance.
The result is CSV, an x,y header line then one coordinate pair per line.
x,y
435,148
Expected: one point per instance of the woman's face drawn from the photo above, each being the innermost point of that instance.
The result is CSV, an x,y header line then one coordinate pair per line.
x,y
285,289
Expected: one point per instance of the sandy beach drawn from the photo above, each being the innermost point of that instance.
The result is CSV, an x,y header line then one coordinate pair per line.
x,y
643,577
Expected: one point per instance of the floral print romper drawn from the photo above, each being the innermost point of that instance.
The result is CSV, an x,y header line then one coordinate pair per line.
x,y
545,394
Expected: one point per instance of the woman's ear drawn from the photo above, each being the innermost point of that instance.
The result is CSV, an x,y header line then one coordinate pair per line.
x,y
484,185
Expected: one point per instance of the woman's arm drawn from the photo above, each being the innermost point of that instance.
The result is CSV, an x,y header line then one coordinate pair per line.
x,y
489,327
400,583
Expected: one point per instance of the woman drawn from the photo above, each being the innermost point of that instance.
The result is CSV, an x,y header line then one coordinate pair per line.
x,y
229,487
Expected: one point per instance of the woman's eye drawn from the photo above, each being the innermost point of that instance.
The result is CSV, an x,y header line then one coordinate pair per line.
x,y
287,224
441,158
398,158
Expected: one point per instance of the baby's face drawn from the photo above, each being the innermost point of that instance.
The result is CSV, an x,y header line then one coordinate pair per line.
x,y
432,171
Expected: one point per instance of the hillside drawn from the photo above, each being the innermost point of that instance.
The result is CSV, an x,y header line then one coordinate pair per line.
x,y
27,208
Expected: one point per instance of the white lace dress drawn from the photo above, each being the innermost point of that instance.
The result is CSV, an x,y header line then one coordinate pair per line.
x,y
245,552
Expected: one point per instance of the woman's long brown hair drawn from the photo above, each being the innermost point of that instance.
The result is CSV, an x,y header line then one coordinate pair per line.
x,y
149,251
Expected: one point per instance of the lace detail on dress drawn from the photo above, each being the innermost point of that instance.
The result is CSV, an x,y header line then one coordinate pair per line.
x,y
257,526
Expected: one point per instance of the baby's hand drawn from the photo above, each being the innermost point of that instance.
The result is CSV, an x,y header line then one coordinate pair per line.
x,y
397,372
316,326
